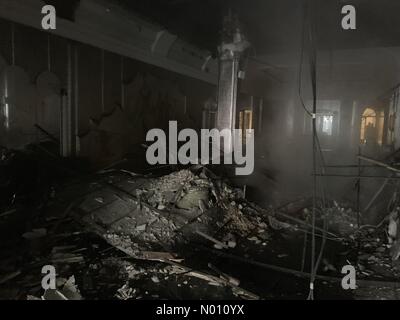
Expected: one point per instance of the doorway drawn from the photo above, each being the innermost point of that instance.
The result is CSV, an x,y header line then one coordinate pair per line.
x,y
372,123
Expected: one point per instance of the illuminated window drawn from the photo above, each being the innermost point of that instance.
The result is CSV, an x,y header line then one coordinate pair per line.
x,y
327,118
372,126
325,123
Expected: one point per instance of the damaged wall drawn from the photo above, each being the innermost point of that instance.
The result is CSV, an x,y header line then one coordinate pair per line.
x,y
111,117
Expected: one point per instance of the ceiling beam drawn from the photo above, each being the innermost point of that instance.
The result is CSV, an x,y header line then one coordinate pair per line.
x,y
109,31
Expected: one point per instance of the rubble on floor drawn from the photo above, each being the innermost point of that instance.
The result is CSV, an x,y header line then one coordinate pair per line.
x,y
376,257
123,235
146,218
149,215
342,220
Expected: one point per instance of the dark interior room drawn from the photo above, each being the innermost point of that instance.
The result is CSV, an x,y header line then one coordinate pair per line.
x,y
199,150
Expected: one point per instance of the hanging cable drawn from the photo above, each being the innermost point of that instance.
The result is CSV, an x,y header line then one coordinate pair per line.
x,y
318,157
102,80
300,77
316,149
312,60
122,83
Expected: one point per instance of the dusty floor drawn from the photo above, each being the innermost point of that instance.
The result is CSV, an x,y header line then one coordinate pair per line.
x,y
185,235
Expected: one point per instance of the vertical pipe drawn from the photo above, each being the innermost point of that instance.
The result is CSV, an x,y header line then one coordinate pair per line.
x,y
353,133
303,258
313,75
76,104
359,187
185,105
48,53
67,106
13,43
6,105
227,95
234,91
122,83
61,123
260,114
6,89
102,81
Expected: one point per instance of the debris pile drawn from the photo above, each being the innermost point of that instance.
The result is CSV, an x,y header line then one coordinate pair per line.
x,y
155,219
341,220
165,212
129,236
377,251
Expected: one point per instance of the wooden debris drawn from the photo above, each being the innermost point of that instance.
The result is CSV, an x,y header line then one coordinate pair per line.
x,y
224,276
158,256
217,242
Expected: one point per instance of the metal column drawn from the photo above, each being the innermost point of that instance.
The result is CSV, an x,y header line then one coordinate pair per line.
x,y
227,92
231,50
